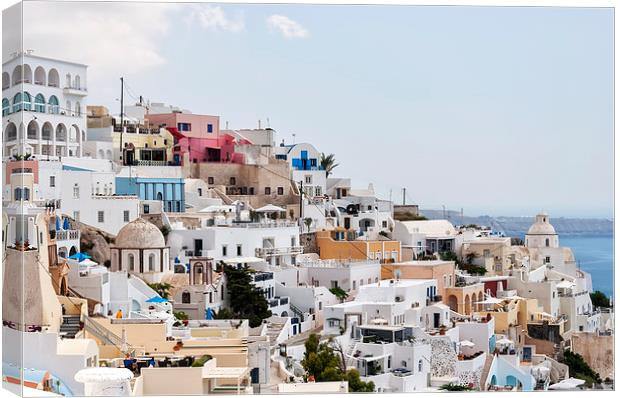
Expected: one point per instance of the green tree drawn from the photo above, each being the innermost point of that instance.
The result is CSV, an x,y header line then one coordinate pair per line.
x,y
454,387
248,302
599,299
163,289
328,163
181,315
308,222
579,368
339,293
323,363
198,363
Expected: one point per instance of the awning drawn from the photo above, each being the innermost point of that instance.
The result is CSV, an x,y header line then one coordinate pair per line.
x,y
504,341
467,343
489,300
217,208
88,262
269,209
568,384
157,299
79,256
242,260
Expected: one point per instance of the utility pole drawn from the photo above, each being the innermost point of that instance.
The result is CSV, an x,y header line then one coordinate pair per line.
x,y
301,200
122,127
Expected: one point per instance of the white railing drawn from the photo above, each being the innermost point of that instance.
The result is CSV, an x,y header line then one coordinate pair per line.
x,y
279,251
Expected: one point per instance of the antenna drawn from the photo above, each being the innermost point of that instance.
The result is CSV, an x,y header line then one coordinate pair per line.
x,y
268,125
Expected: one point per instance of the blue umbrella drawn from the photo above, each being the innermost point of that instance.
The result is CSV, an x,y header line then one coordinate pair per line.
x,y
57,224
65,224
209,313
79,256
156,299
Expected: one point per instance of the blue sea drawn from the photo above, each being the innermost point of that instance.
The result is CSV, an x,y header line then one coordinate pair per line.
x,y
594,254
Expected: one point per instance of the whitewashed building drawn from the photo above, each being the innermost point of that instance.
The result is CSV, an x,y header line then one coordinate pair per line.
x,y
43,106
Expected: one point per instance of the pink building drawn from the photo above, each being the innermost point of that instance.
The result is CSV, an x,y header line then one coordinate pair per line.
x,y
198,135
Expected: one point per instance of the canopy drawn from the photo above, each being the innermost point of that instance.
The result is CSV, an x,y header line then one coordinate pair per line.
x,y
467,343
565,285
65,224
157,299
57,224
379,321
79,256
217,208
88,261
103,374
269,209
504,341
548,315
568,384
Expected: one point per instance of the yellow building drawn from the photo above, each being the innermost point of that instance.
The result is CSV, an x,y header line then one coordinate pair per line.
x,y
340,243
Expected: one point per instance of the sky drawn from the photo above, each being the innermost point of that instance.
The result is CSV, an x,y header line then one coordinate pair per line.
x,y
499,111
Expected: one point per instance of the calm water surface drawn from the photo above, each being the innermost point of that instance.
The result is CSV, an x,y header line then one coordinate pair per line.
x,y
594,254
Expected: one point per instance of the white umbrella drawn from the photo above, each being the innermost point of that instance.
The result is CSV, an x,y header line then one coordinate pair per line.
x,y
504,341
546,314
489,300
269,209
568,384
467,343
565,285
88,262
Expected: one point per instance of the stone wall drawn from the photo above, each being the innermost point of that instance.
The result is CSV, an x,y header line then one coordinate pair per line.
x,y
443,358
597,351
308,241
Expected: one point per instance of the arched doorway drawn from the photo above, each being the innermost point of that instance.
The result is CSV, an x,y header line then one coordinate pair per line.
x,y
467,305
72,251
453,303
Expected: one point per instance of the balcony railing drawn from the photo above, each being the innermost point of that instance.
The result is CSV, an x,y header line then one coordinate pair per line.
x,y
279,251
67,235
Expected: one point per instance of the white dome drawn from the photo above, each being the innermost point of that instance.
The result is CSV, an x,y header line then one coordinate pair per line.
x,y
541,226
140,234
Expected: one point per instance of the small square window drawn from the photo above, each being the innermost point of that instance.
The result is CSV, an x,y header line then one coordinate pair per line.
x,y
209,128
210,180
280,190
100,217
233,181
146,209
126,216
267,190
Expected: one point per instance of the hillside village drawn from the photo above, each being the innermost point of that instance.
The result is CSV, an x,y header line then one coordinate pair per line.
x,y
160,252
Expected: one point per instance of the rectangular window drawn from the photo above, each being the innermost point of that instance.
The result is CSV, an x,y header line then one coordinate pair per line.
x,y
238,250
76,215
52,181
184,126
280,190
224,250
308,179
126,215
209,128
100,216
210,180
267,190
318,191
384,224
76,191
233,181
146,209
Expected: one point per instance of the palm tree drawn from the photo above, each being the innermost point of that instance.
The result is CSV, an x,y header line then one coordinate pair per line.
x,y
328,163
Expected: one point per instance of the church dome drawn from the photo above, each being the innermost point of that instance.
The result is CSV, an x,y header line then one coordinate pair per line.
x,y
140,234
541,226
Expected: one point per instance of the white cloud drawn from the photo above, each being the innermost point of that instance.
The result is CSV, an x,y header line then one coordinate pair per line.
x,y
113,38
215,19
287,27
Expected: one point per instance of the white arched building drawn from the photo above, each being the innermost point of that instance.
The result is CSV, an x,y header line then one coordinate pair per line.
x,y
43,106
140,249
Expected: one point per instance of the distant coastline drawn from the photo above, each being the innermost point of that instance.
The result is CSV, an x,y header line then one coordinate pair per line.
x,y
518,226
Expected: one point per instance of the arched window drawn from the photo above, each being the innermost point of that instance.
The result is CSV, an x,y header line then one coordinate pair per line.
x,y
27,101
6,80
130,259
39,76
46,132
6,107
68,84
186,298
17,102
11,132
547,242
39,103
32,132
61,132
26,193
17,75
151,262
53,105
18,194
53,79
78,109
420,365
77,81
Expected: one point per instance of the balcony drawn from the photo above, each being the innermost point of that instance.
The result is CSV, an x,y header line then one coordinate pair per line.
x,y
79,91
67,235
279,251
